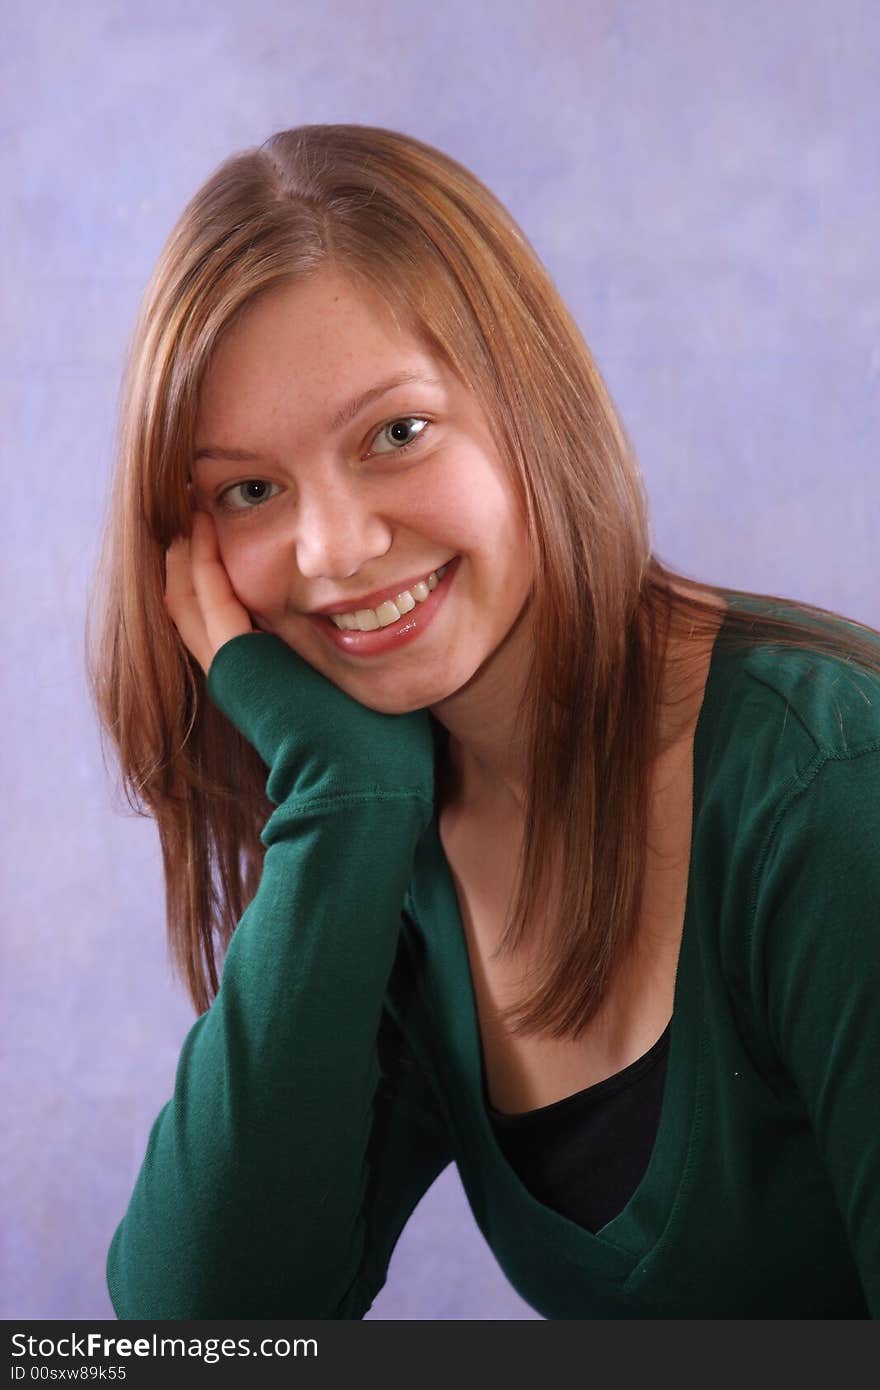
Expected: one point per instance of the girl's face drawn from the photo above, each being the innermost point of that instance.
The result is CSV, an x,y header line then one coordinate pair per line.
x,y
317,511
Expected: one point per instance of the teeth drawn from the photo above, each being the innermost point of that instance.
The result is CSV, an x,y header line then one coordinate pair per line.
x,y
368,619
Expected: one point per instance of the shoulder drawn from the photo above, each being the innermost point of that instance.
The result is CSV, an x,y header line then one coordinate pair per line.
x,y
834,701
790,838
789,807
778,713
807,785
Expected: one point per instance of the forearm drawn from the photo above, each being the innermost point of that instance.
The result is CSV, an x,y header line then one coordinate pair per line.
x,y
249,1200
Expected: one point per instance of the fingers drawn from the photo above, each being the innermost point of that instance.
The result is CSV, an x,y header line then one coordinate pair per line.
x,y
199,595
210,580
178,572
222,613
209,576
181,599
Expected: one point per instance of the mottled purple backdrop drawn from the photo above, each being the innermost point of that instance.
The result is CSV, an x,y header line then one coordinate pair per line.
x,y
702,180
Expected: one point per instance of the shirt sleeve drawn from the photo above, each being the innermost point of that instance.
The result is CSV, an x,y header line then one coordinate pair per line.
x,y
300,1134
817,931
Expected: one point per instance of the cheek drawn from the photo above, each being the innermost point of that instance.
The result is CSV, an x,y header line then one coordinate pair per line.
x,y
471,509
515,565
250,571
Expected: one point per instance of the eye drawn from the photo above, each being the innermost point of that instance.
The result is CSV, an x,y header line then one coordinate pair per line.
x,y
392,427
223,498
391,430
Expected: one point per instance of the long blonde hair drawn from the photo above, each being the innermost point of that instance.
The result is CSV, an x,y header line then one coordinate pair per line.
x,y
449,259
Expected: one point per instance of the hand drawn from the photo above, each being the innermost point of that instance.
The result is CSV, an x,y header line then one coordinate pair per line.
x,y
199,595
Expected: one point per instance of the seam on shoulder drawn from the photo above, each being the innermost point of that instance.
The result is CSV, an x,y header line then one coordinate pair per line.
x,y
797,787
835,756
789,707
831,752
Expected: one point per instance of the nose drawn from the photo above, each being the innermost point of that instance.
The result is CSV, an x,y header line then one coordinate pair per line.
x,y
337,533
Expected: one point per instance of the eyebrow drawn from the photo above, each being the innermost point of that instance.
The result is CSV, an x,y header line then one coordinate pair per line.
x,y
343,416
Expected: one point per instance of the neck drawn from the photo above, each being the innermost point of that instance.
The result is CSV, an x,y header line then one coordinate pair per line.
x,y
487,756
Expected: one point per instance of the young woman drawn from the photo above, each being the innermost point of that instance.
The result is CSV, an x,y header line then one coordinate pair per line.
x,y
566,868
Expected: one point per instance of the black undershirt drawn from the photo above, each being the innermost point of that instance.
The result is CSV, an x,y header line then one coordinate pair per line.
x,y
585,1155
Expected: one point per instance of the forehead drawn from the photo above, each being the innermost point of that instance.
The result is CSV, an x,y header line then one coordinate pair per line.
x,y
302,347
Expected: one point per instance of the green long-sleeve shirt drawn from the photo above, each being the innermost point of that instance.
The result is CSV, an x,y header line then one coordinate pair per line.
x,y
339,1070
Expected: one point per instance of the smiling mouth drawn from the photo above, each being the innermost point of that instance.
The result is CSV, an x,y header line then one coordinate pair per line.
x,y
399,628
389,610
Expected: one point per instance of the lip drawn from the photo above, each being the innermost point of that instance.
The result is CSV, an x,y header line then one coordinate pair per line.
x,y
396,635
376,596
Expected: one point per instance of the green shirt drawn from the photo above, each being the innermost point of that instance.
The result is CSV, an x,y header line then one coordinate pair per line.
x,y
339,1069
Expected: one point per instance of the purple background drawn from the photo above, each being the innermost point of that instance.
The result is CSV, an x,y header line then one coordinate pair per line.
x,y
702,180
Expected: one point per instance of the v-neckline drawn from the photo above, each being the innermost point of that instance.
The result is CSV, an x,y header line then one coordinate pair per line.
x,y
613,1250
